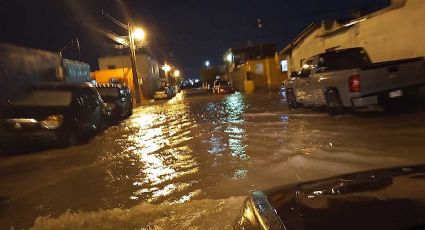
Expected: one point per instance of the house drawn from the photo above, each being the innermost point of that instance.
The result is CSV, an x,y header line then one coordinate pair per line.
x,y
254,67
119,68
394,32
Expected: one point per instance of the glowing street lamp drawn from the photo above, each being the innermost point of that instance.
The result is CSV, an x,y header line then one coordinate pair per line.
x,y
166,68
207,63
229,57
139,34
176,73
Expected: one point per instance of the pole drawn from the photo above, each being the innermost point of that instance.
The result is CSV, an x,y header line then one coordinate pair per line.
x,y
79,48
132,47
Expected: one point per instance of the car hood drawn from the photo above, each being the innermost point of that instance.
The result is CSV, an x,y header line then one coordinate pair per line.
x,y
38,113
380,199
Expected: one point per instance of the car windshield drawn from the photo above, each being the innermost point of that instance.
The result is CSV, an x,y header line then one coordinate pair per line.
x,y
45,98
108,91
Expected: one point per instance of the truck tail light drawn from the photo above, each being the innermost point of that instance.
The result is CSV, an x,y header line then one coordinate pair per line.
x,y
354,83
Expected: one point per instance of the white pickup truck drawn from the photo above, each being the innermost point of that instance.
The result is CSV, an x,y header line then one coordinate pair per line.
x,y
346,79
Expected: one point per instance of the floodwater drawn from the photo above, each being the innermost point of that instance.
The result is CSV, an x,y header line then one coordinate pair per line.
x,y
188,163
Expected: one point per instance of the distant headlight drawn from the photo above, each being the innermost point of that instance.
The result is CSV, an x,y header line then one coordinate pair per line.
x,y
52,122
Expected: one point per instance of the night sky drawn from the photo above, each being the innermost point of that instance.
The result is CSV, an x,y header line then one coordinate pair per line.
x,y
187,32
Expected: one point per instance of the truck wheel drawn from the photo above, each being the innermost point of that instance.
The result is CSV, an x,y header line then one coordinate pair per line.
x,y
291,99
333,100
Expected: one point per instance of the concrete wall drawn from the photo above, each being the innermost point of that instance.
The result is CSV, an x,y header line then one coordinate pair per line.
x,y
147,68
237,78
393,33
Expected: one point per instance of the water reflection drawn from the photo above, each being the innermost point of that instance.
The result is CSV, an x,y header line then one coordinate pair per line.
x,y
157,146
228,136
234,107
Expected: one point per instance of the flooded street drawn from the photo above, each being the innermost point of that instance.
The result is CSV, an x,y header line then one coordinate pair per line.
x,y
189,162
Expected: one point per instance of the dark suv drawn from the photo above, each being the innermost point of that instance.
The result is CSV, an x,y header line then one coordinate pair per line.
x,y
64,114
118,100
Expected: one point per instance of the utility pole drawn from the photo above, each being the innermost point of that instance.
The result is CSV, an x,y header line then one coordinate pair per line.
x,y
132,47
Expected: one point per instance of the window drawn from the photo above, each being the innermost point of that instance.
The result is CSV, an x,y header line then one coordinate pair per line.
x,y
259,68
45,98
108,91
284,66
306,68
112,66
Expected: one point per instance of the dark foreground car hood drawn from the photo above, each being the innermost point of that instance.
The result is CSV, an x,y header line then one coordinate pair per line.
x,y
37,113
381,199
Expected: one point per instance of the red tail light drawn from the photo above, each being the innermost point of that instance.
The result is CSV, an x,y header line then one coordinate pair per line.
x,y
354,83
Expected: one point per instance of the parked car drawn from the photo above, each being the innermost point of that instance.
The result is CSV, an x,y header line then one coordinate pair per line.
x,y
118,100
222,87
346,79
390,198
166,92
64,114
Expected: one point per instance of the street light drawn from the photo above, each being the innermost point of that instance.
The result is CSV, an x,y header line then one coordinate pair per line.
x,y
176,73
133,35
139,34
229,57
207,63
166,68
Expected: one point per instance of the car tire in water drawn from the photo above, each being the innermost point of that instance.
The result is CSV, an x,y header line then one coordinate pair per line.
x,y
291,99
334,103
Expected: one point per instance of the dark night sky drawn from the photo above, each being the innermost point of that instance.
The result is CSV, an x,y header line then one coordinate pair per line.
x,y
191,31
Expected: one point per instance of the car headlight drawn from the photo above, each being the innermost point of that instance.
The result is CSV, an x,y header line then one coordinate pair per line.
x,y
52,122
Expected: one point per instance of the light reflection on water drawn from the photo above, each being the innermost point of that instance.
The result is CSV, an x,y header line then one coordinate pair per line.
x,y
229,133
160,142
159,145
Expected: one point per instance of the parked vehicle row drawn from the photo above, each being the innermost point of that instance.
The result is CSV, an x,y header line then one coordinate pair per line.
x,y
64,114
347,79
166,92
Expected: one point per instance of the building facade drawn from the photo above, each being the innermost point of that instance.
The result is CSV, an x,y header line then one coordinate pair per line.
x,y
147,69
254,67
394,32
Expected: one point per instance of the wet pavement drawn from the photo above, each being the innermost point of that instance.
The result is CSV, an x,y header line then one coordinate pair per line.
x,y
189,162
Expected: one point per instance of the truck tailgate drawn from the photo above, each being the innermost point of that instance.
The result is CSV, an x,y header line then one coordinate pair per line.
x,y
392,75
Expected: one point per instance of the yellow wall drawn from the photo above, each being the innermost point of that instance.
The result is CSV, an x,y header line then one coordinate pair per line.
x,y
147,69
270,77
393,33
124,75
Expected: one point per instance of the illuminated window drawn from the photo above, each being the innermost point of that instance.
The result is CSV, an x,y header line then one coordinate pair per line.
x,y
284,65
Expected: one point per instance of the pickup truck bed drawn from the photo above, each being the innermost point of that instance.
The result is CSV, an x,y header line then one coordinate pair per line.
x,y
392,75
